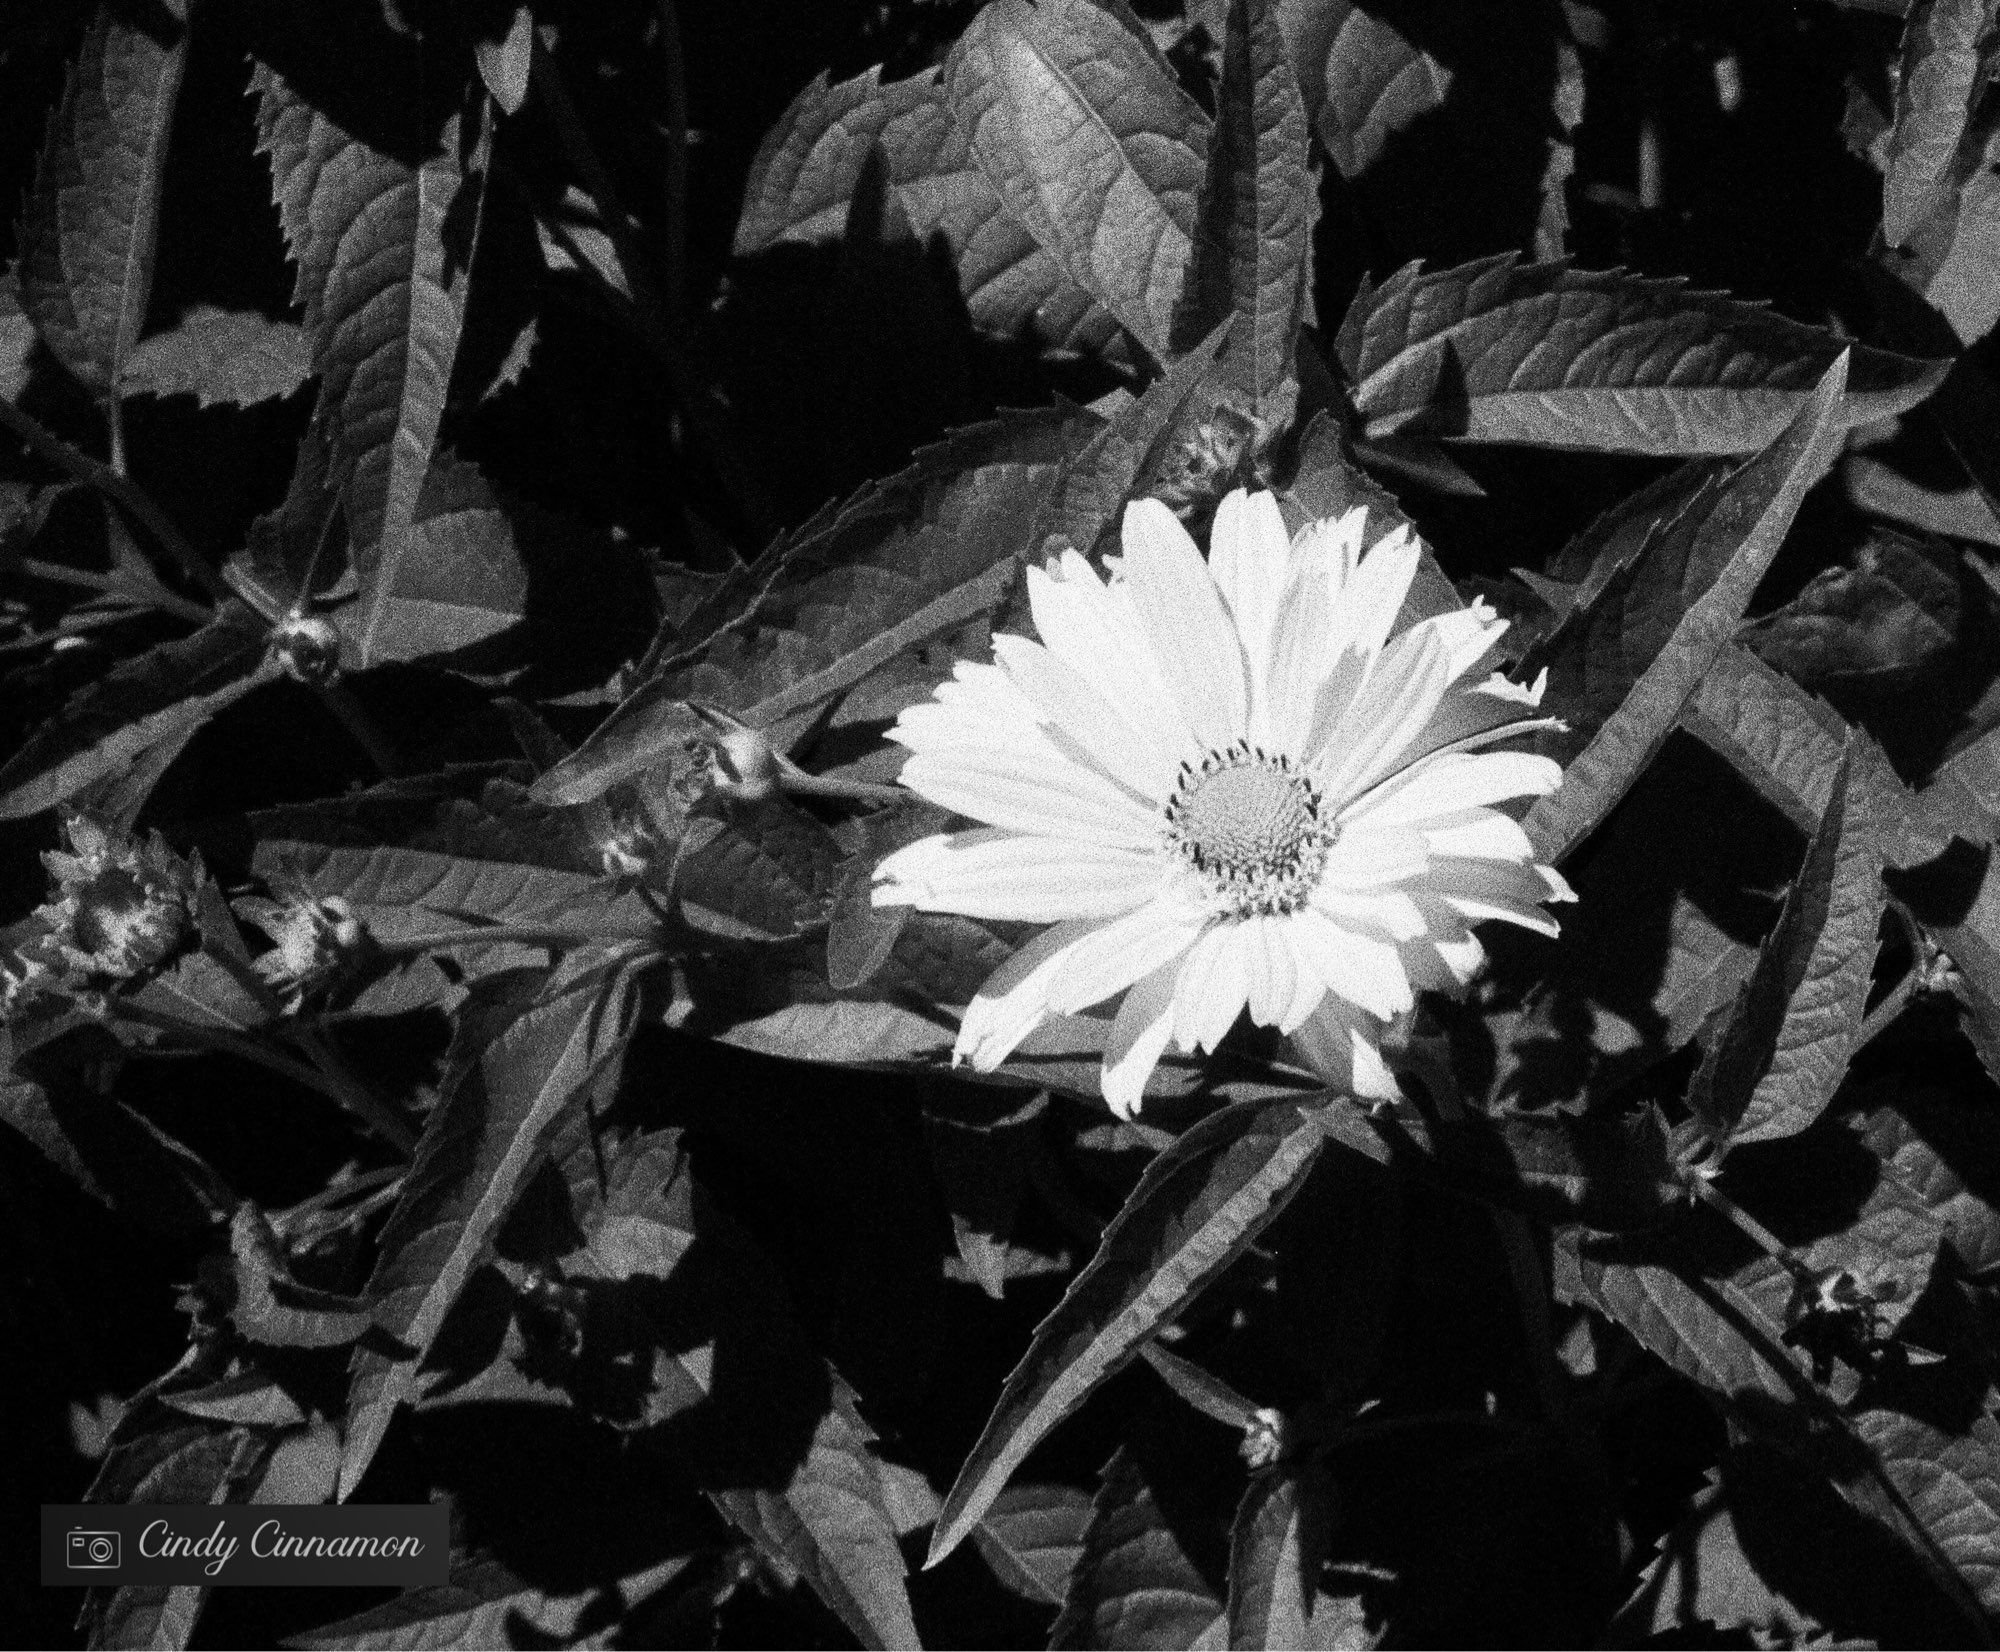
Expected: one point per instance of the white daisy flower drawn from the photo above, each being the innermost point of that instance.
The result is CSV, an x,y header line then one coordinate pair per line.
x,y
1228,784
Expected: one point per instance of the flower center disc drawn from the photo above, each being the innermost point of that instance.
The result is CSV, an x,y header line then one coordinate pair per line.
x,y
1251,824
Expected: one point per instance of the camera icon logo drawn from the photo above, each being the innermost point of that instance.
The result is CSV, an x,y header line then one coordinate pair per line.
x,y
93,1551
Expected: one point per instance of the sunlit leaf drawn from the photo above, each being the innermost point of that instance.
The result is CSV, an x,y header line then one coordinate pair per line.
x,y
87,237
1879,623
1276,1549
1196,1208
1934,96
1032,1537
233,358
803,181
1363,80
1695,581
1551,356
1091,144
383,246
1252,258
1134,1585
1784,1050
475,1155
147,706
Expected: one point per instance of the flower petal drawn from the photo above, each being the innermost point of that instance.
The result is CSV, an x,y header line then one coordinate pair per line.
x,y
1214,983
1186,623
1371,601
1372,740
1372,857
1249,555
1333,545
1139,1035
1366,972
1099,637
1446,785
1006,876
1015,998
1068,702
1485,889
1110,959
1036,793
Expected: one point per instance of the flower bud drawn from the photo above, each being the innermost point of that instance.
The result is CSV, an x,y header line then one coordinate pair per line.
x,y
119,908
316,942
307,648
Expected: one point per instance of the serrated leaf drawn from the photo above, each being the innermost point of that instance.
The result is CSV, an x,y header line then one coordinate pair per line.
x,y
1091,144
1276,1549
473,1159
1776,1063
1134,1585
1363,80
1718,1336
154,702
1950,1482
768,875
1943,1149
1955,251
1251,260
250,1398
233,358
1880,622
1934,97
901,563
803,181
832,1524
1725,546
1032,1537
382,247
87,236
1551,356
413,862
204,1470
1195,1209
464,579
117,1156
266,1305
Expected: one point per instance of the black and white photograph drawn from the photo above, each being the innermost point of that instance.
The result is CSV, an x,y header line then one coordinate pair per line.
x,y
1095,824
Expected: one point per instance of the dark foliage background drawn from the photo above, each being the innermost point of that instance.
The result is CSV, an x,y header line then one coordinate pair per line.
x,y
588,396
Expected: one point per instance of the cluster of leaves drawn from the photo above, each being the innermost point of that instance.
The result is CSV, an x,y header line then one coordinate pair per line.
x,y
462,712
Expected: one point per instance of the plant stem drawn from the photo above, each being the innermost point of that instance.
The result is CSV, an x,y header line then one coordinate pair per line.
x,y
1758,1234
166,601
540,935
653,310
794,779
134,501
373,1113
1894,1001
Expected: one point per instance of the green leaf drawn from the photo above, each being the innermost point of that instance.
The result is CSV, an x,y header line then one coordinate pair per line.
x,y
1943,1153
1134,1585
803,181
1032,1537
1276,1549
901,563
1091,144
1934,96
143,711
88,234
768,875
1954,250
1252,258
1703,571
233,358
1199,1204
1363,80
1785,1048
250,1398
473,1159
383,250
1551,356
832,1524
506,62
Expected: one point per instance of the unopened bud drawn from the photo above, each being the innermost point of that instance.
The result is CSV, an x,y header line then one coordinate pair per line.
x,y
316,942
1263,1438
119,907
307,648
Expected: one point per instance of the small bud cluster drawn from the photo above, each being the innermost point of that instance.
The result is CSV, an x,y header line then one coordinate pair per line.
x,y
316,942
119,907
307,648
1217,455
